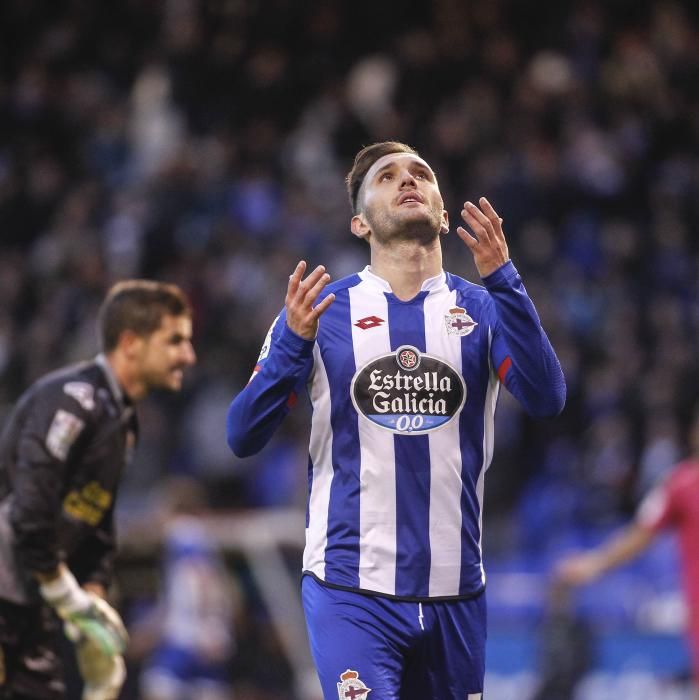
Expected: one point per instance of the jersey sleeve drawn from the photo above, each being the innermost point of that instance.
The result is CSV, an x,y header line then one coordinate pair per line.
x,y
281,372
521,352
55,427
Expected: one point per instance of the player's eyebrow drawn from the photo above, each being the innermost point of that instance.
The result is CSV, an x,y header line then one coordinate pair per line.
x,y
413,164
383,168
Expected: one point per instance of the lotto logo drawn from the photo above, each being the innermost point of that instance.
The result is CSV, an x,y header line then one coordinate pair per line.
x,y
369,322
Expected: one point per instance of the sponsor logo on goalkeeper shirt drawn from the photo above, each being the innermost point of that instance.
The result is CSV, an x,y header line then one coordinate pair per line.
x,y
88,504
408,392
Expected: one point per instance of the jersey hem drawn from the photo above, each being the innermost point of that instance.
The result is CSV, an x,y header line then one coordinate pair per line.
x,y
406,598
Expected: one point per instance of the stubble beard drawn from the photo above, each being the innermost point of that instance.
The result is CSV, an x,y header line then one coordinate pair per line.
x,y
387,229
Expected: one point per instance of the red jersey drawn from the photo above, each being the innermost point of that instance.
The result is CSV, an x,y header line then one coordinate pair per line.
x,y
675,504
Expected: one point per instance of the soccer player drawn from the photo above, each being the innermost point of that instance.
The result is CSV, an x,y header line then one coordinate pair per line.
x,y
674,503
62,452
403,362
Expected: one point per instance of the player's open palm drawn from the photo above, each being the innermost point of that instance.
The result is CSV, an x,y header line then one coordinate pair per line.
x,y
487,242
302,313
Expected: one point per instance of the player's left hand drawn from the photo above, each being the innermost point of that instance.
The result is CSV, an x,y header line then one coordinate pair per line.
x,y
487,242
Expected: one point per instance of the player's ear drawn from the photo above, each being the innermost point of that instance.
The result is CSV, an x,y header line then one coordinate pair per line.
x,y
130,343
444,228
359,226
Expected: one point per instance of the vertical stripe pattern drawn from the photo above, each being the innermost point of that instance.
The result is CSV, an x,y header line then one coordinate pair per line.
x,y
377,521
321,468
445,495
407,327
392,513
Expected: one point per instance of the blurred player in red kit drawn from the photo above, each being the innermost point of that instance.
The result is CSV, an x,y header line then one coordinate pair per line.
x,y
674,503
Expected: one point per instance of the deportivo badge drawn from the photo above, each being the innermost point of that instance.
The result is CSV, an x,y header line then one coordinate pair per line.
x,y
351,687
408,392
458,322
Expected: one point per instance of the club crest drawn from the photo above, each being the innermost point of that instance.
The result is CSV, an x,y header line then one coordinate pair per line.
x,y
351,687
458,322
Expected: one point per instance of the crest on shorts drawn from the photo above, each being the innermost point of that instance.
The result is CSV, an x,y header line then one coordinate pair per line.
x,y
458,322
350,687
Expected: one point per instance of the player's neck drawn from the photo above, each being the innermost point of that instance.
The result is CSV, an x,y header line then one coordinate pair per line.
x,y
130,381
406,265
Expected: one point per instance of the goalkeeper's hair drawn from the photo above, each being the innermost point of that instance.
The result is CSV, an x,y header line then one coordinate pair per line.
x,y
138,305
364,160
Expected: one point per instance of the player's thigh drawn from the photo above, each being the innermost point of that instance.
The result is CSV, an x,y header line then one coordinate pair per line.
x,y
354,649
451,662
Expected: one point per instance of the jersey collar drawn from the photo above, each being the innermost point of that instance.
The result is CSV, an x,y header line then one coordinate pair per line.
x,y
431,284
117,392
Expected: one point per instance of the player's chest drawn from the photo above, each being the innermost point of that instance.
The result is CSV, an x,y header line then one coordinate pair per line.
x,y
435,336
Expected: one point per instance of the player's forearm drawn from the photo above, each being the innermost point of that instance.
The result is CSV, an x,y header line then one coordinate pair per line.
x,y
257,411
535,377
623,547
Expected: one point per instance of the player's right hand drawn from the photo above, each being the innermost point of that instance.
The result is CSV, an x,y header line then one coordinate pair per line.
x,y
301,314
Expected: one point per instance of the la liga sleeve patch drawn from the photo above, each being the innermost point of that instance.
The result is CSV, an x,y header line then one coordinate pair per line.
x,y
62,434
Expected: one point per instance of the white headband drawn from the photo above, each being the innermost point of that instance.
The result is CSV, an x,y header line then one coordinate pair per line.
x,y
389,157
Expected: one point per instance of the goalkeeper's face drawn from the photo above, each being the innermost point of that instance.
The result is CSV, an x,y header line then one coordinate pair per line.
x,y
166,353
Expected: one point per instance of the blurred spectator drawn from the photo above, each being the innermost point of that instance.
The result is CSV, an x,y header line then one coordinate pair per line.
x,y
192,629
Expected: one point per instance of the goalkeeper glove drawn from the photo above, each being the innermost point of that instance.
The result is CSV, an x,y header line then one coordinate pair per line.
x,y
92,617
102,674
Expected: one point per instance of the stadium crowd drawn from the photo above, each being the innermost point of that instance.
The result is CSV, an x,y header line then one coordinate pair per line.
x,y
205,143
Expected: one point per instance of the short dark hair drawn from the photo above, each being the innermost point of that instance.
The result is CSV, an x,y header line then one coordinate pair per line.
x,y
138,306
363,162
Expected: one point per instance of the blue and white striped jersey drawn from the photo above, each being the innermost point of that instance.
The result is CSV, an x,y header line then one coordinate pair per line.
x,y
403,396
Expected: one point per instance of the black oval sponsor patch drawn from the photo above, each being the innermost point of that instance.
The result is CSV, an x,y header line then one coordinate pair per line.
x,y
408,392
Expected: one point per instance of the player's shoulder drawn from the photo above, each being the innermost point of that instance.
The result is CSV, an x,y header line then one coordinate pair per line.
x,y
80,386
340,285
685,475
466,289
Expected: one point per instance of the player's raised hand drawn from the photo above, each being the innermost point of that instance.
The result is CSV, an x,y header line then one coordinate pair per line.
x,y
487,242
301,314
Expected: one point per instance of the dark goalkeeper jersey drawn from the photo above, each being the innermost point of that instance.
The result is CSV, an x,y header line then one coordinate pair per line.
x,y
62,451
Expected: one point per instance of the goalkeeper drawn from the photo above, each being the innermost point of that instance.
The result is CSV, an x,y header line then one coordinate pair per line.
x,y
62,451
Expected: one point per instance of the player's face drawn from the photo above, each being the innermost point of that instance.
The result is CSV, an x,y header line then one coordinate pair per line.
x,y
166,353
401,200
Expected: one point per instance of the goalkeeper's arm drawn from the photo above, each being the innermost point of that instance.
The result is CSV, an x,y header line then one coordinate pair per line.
x,y
93,617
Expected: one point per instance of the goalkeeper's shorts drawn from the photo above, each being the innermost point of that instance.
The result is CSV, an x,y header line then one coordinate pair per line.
x,y
30,662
